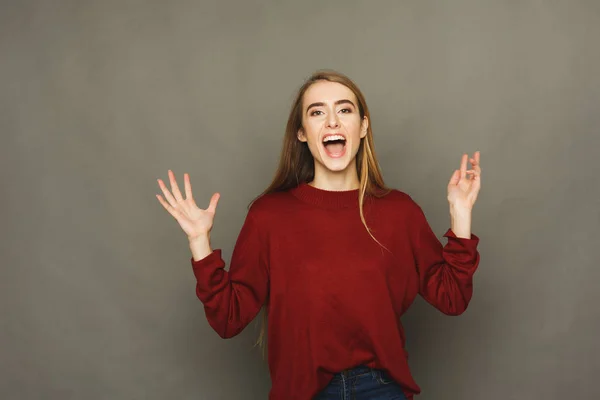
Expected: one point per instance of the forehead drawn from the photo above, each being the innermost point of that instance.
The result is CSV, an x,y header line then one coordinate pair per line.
x,y
327,92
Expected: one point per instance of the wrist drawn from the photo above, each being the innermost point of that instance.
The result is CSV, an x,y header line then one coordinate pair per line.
x,y
460,210
460,221
200,247
200,238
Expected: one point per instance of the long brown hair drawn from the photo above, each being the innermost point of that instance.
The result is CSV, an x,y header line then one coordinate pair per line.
x,y
296,163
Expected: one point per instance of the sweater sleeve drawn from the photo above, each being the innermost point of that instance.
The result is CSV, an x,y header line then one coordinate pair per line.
x,y
445,272
233,298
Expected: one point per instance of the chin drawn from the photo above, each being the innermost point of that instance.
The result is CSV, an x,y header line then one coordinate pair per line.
x,y
336,164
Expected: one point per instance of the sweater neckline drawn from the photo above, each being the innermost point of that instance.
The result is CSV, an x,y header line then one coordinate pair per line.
x,y
331,199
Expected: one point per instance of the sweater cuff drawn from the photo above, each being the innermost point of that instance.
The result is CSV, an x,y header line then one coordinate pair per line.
x,y
208,260
470,243
205,267
462,248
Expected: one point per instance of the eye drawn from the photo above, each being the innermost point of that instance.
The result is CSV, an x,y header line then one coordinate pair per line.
x,y
345,110
316,112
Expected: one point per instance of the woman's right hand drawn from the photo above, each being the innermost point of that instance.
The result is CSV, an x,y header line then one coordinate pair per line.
x,y
195,222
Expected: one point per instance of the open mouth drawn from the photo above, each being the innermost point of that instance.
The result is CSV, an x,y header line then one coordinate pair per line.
x,y
335,145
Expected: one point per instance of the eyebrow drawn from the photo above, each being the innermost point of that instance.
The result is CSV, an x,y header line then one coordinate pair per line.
x,y
337,103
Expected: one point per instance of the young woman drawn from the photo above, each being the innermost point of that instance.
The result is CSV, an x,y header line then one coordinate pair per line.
x,y
333,255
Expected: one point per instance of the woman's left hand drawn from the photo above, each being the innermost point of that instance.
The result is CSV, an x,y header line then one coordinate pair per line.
x,y
464,184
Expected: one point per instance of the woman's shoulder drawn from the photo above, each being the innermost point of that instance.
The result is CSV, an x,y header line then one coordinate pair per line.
x,y
398,196
400,203
270,203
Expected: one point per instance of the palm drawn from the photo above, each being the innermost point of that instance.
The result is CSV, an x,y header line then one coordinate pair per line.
x,y
462,191
193,220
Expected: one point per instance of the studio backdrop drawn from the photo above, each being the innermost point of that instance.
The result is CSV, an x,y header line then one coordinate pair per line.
x,y
98,99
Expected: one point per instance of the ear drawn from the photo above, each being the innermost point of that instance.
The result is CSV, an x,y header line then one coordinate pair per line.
x,y
301,135
364,126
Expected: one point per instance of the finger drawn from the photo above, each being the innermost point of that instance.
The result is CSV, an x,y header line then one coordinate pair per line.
x,y
477,156
188,187
174,212
167,194
474,173
455,177
463,166
175,187
214,200
475,165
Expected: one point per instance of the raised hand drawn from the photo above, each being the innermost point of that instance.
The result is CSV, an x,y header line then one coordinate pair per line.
x,y
195,222
464,184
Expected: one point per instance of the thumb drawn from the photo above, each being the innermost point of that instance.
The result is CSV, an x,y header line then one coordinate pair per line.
x,y
455,178
214,200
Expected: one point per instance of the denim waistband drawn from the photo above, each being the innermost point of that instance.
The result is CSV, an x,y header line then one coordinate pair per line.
x,y
356,371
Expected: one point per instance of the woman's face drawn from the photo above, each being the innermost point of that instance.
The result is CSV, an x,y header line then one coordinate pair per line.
x,y
331,125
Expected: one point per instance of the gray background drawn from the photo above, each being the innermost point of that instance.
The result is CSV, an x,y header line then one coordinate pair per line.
x,y
98,99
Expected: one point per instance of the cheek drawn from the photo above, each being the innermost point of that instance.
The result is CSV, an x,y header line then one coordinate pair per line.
x,y
352,126
312,129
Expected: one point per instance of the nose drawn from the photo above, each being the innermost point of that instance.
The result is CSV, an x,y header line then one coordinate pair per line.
x,y
332,120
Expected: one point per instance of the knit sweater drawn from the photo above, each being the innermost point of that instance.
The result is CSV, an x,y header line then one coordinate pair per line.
x,y
334,295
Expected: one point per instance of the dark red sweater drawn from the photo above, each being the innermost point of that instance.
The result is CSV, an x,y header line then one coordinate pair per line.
x,y
334,295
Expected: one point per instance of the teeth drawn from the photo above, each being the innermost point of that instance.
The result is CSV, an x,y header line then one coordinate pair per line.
x,y
333,137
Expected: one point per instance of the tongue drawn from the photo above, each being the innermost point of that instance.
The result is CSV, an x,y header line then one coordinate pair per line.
x,y
335,148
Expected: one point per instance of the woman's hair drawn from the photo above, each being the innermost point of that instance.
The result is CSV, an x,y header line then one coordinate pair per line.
x,y
296,163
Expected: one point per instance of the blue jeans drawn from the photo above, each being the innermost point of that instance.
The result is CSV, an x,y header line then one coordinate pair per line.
x,y
361,383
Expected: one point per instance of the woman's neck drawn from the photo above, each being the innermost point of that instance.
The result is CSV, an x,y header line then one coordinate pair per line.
x,y
335,181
